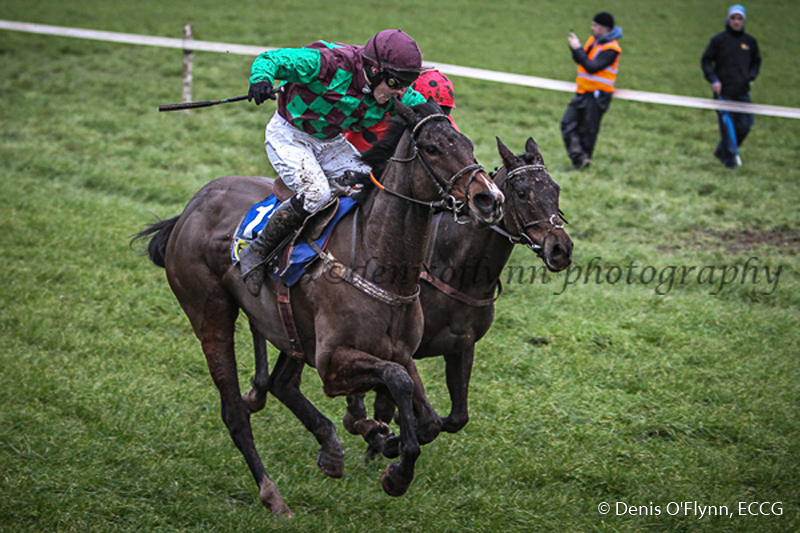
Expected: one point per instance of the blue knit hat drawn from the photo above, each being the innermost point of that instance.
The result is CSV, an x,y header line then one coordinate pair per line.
x,y
737,10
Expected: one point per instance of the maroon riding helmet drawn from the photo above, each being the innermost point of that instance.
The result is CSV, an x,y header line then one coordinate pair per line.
x,y
396,56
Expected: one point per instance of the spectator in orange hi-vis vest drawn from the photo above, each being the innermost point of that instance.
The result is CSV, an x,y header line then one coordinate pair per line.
x,y
598,62
431,84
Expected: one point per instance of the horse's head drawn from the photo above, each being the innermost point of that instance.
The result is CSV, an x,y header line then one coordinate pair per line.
x,y
452,176
532,214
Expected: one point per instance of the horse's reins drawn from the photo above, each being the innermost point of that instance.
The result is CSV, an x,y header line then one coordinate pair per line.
x,y
521,224
440,285
443,186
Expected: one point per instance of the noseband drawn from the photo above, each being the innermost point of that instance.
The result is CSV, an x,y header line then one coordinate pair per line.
x,y
520,223
447,201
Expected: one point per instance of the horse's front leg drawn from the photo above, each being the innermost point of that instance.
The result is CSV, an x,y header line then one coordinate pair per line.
x,y
348,371
377,433
256,397
458,369
284,384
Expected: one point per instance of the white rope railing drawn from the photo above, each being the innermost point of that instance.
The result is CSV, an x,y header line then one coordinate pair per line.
x,y
455,70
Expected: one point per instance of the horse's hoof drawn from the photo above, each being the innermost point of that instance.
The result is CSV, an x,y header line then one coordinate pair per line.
x,y
392,448
332,465
391,484
371,429
428,431
271,499
254,401
376,434
283,511
450,425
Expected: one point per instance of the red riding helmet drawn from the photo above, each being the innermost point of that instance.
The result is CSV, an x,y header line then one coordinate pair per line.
x,y
434,84
395,51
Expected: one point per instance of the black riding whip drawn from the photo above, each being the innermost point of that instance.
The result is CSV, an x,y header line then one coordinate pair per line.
x,y
207,103
204,103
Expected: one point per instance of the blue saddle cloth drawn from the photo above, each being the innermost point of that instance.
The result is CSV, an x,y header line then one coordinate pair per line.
x,y
255,220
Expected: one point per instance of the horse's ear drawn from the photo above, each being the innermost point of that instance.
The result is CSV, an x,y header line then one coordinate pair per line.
x,y
532,148
406,113
508,157
435,103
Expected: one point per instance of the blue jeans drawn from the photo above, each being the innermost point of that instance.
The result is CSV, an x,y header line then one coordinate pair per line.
x,y
733,131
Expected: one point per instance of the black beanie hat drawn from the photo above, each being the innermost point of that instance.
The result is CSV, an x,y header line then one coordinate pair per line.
x,y
605,19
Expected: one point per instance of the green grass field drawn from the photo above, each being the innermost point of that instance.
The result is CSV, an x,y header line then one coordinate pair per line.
x,y
589,389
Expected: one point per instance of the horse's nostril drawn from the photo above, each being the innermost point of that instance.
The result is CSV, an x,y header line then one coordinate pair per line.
x,y
484,201
560,256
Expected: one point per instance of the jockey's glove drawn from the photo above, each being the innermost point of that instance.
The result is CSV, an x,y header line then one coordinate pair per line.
x,y
260,91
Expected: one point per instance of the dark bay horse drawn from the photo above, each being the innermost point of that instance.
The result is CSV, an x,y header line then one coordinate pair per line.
x,y
358,330
464,264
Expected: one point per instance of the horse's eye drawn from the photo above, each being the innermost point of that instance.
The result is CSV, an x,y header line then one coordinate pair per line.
x,y
432,150
522,193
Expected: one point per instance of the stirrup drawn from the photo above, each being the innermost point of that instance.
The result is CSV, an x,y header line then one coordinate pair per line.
x,y
254,277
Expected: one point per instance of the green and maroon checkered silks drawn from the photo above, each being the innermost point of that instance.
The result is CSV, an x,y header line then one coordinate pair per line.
x,y
331,109
323,88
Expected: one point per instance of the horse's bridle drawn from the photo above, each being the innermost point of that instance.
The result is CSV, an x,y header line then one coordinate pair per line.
x,y
443,186
522,225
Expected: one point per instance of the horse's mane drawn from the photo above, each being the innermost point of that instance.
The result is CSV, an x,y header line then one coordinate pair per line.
x,y
379,155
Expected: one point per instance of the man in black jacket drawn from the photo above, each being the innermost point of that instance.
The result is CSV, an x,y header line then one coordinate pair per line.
x,y
730,64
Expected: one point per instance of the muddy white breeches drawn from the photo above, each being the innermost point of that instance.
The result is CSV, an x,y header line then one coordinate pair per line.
x,y
306,164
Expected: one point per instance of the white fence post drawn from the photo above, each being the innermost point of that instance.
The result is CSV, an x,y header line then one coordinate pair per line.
x,y
187,65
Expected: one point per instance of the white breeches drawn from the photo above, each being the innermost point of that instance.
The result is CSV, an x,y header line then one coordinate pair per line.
x,y
306,164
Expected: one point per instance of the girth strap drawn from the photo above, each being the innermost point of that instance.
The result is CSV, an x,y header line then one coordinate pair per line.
x,y
285,308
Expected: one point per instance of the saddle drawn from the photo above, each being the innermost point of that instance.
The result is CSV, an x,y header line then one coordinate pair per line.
x,y
281,191
297,254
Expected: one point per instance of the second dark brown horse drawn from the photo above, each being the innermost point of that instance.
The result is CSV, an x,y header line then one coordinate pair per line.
x,y
464,266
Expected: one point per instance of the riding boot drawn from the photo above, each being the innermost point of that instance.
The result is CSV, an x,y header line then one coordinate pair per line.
x,y
287,219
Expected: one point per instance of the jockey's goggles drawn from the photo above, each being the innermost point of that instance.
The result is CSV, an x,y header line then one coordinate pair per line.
x,y
399,80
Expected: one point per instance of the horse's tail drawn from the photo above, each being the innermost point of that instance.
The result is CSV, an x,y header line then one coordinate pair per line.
x,y
161,231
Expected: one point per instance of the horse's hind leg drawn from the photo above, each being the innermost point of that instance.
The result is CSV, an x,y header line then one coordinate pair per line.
x,y
285,385
256,397
355,412
216,334
375,432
